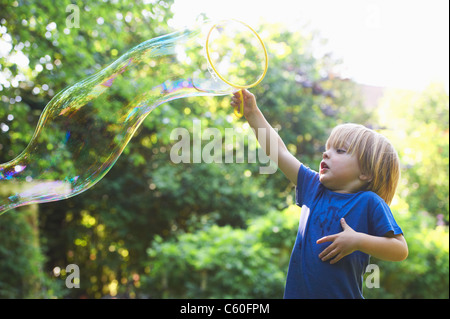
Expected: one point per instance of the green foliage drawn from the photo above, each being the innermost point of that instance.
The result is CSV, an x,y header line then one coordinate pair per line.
x,y
223,262
21,259
152,228
418,124
60,55
425,273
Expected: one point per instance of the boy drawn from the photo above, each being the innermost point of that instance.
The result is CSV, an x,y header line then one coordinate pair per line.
x,y
345,216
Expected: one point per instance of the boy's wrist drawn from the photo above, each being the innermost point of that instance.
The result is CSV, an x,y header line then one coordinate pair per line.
x,y
359,242
252,114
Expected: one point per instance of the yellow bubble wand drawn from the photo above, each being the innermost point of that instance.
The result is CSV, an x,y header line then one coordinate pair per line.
x,y
238,111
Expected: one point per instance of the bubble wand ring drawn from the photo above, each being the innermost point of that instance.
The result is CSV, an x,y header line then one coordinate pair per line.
x,y
239,112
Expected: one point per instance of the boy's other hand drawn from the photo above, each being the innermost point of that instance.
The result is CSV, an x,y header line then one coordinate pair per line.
x,y
343,244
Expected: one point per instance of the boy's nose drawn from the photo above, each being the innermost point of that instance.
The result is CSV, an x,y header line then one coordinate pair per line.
x,y
325,155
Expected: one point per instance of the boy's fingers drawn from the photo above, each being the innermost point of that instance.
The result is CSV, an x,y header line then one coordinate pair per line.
x,y
336,259
327,251
246,93
325,239
325,255
344,224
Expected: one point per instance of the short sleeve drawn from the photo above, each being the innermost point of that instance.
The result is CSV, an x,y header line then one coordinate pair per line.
x,y
307,182
382,221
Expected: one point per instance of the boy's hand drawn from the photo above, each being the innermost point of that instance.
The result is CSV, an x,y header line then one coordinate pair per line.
x,y
343,244
249,101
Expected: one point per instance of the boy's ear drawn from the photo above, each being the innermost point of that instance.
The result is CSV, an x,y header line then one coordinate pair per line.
x,y
365,178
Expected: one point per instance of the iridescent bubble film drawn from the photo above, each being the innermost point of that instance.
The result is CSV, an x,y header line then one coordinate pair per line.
x,y
83,130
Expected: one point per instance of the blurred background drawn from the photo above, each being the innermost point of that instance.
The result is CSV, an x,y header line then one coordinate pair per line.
x,y
155,229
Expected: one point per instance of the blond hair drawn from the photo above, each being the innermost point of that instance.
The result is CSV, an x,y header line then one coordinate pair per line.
x,y
376,156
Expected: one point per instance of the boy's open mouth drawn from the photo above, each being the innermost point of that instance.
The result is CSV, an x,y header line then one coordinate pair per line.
x,y
323,165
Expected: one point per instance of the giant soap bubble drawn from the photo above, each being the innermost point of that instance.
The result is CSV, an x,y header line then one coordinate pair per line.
x,y
84,129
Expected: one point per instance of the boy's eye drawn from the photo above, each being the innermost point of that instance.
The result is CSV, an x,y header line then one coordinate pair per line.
x,y
340,151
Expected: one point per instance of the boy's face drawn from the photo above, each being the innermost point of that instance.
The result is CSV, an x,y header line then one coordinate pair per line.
x,y
339,171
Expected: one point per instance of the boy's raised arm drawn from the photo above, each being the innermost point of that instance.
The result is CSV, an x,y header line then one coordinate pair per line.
x,y
268,138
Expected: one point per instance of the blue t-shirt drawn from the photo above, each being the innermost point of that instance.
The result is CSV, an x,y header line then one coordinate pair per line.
x,y
310,277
